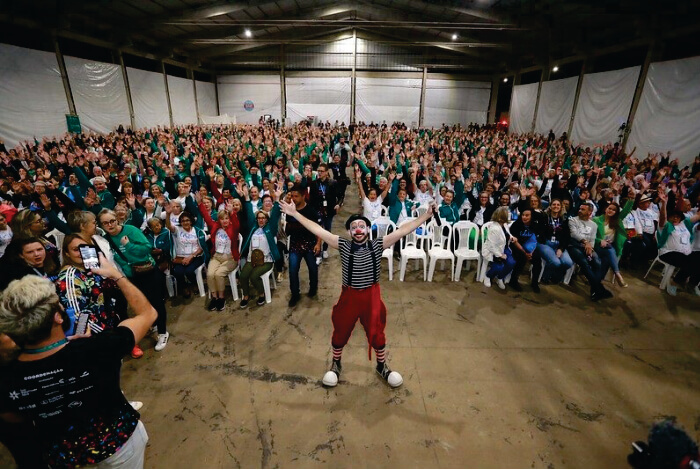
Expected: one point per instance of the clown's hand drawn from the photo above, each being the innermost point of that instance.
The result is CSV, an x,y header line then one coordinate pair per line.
x,y
288,208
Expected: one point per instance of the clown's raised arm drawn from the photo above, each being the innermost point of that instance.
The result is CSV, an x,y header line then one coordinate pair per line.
x,y
407,228
291,210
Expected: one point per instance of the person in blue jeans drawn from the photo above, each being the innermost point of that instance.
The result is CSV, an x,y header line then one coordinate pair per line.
x,y
497,250
552,241
302,245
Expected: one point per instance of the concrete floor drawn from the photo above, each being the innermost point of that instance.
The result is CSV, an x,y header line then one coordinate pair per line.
x,y
491,378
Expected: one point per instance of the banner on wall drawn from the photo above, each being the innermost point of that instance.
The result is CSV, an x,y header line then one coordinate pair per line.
x,y
73,123
248,105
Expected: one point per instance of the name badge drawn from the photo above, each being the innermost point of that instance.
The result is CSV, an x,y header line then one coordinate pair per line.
x,y
554,239
685,239
256,242
325,203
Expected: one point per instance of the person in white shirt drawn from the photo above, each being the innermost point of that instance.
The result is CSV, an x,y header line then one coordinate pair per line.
x,y
582,250
5,234
372,202
676,240
642,246
189,251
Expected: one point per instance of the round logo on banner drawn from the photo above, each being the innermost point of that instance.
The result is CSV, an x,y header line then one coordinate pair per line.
x,y
248,105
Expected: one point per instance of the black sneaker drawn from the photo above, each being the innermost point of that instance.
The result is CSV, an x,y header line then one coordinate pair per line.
x,y
261,301
311,294
515,286
294,299
213,304
244,303
535,288
221,305
394,379
330,379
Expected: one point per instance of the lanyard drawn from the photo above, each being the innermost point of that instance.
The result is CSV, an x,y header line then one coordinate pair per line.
x,y
51,346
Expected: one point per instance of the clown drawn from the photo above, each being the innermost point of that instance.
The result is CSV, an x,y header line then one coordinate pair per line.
x,y
360,297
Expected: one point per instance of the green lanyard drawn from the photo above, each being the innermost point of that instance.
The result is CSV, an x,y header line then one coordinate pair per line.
x,y
51,346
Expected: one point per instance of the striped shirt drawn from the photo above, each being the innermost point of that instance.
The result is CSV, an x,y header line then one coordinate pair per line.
x,y
359,258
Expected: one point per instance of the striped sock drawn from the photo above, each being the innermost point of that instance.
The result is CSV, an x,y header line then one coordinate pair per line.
x,y
381,355
337,352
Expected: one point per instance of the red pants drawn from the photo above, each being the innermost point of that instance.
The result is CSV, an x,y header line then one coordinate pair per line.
x,y
365,305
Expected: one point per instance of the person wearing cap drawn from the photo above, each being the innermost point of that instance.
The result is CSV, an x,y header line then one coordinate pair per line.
x,y
675,238
643,245
360,297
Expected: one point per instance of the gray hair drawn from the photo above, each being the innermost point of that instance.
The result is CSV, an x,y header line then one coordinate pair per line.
x,y
500,215
27,307
77,219
106,212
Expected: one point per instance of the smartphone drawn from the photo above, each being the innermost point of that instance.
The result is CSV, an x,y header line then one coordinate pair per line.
x,y
89,255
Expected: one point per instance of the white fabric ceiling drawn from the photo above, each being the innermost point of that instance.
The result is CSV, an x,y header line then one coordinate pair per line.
x,y
32,99
668,116
263,90
455,102
604,105
388,99
99,94
327,97
522,108
556,104
149,98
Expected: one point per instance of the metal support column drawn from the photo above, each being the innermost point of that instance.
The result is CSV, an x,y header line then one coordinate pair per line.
x,y
216,94
132,116
353,79
544,76
190,75
64,77
638,92
578,94
495,83
283,88
421,111
167,93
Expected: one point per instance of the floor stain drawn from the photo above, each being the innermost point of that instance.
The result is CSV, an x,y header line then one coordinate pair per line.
x,y
576,410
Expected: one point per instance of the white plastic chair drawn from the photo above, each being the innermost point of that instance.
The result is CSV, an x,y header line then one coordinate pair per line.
x,y
385,226
199,273
666,274
412,248
233,275
440,248
268,280
466,249
170,283
422,233
483,267
58,236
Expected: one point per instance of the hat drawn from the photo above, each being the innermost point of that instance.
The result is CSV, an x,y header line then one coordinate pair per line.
x,y
645,198
355,217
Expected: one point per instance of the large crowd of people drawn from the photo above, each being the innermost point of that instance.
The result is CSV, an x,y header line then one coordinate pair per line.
x,y
166,209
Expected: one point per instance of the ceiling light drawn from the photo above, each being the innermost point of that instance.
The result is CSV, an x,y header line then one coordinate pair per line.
x,y
248,33
555,69
454,37
505,80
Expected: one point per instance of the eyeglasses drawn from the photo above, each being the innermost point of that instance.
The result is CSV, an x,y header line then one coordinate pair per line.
x,y
109,222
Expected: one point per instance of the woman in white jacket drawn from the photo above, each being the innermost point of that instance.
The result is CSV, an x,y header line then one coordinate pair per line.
x,y
496,248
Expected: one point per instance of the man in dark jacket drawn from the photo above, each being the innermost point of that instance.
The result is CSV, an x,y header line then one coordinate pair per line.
x,y
325,198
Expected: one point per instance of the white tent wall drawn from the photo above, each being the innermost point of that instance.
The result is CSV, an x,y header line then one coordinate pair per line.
x,y
263,90
325,97
149,98
522,108
387,99
668,116
32,98
99,94
604,105
182,100
206,98
556,104
455,102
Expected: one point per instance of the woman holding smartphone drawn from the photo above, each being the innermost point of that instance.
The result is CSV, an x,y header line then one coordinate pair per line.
x,y
81,289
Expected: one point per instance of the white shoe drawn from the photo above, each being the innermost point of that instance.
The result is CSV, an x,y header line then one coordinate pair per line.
x,y
500,283
487,282
672,290
136,405
162,341
330,379
318,260
325,254
697,290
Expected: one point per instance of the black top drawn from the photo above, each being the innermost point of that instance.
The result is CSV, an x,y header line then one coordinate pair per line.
x,y
301,239
74,399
